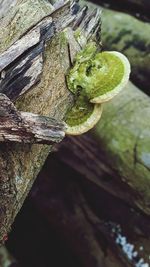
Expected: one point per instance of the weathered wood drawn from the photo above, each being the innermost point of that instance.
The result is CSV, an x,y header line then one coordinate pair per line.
x,y
118,148
19,19
27,127
21,66
20,163
5,6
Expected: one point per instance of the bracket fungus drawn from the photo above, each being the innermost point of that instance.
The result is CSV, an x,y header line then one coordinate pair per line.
x,y
95,78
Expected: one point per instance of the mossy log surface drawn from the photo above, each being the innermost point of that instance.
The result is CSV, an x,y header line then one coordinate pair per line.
x,y
116,153
48,96
126,131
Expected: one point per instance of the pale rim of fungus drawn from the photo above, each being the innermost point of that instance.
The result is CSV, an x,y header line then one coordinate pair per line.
x,y
127,69
88,124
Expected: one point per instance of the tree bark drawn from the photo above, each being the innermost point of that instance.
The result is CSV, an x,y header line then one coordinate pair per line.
x,y
26,127
5,6
115,154
20,163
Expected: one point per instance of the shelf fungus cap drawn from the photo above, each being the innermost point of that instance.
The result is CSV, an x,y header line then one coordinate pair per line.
x,y
118,76
82,117
101,76
95,78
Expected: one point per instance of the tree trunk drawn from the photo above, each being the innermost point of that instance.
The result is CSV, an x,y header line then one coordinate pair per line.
x,y
30,40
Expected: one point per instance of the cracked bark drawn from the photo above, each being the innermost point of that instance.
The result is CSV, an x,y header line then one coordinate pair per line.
x,y
115,154
33,77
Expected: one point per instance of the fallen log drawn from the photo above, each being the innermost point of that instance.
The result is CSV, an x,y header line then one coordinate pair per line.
x,y
115,154
35,65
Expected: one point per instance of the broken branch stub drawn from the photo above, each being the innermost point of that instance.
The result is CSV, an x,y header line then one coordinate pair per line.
x,y
27,127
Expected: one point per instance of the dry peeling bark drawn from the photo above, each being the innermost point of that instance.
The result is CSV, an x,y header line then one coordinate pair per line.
x,y
39,66
115,155
25,127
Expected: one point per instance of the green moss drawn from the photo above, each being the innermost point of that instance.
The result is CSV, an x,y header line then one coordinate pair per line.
x,y
63,38
77,34
87,53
